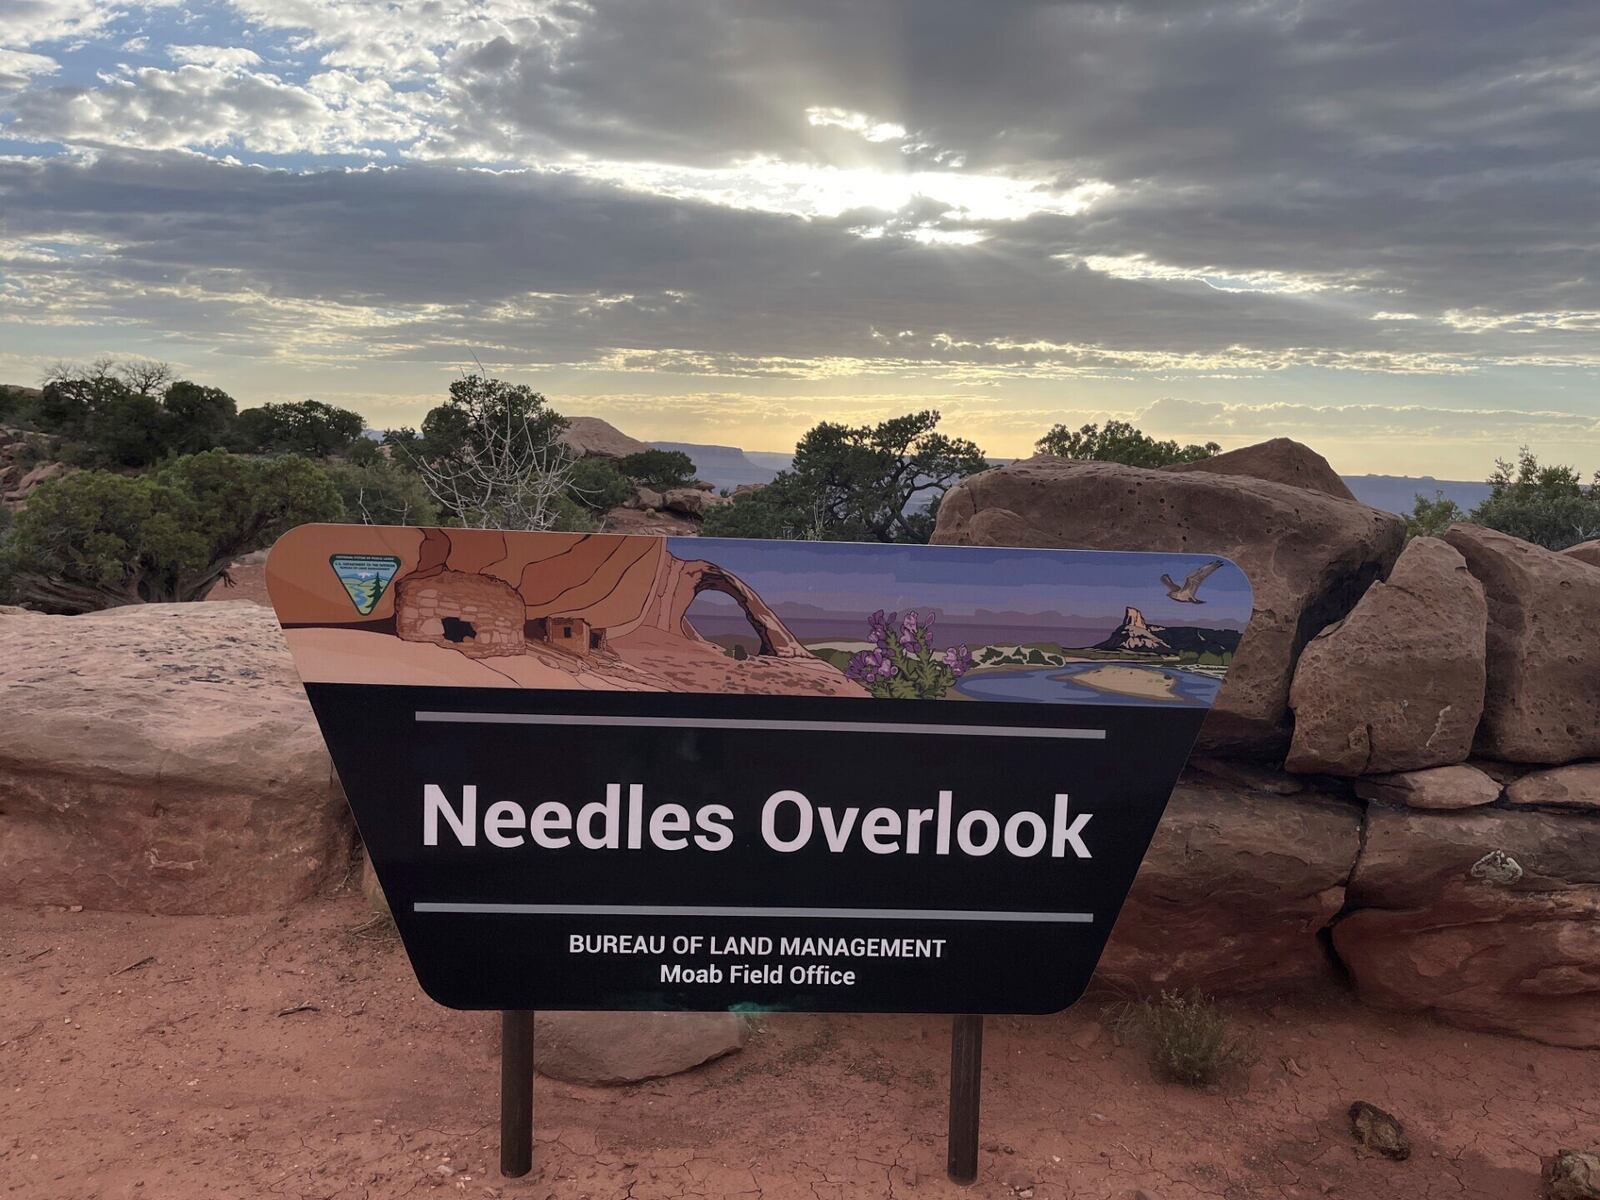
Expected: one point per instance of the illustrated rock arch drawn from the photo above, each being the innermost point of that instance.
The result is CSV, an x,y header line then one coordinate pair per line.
x,y
699,576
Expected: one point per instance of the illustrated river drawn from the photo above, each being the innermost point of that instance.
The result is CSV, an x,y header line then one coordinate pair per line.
x,y
1058,685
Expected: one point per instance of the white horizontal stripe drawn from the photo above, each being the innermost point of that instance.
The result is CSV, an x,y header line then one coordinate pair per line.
x,y
725,910
1023,731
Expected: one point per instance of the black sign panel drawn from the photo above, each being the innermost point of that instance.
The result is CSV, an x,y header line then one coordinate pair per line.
x,y
582,787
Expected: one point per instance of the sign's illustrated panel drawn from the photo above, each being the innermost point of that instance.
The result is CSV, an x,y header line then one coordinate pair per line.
x,y
627,772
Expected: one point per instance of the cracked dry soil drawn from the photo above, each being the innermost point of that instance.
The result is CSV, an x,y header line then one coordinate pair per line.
x,y
206,1058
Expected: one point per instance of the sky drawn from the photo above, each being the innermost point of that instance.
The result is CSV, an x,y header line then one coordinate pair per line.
x,y
1086,587
1372,226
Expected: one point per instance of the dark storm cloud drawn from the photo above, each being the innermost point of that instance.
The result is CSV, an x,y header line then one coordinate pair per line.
x,y
559,263
1440,150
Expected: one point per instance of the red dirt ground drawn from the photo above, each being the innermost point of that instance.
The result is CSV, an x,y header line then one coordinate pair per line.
x,y
203,1058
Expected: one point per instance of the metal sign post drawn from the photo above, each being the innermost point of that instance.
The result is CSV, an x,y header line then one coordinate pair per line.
x,y
966,1083
516,1092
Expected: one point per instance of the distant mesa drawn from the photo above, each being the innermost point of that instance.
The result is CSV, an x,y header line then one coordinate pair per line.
x,y
1137,636
726,466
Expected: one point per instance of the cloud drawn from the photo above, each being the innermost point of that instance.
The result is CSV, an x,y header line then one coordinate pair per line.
x,y
854,122
211,107
25,23
18,69
223,58
1492,427
549,266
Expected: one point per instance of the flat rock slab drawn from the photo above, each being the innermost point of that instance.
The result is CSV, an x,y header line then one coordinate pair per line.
x,y
161,758
1437,788
625,1047
1485,919
1398,684
1234,892
1574,787
1543,662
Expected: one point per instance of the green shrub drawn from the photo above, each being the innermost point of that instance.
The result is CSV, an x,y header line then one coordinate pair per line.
x,y
382,493
598,485
128,414
1430,518
97,539
307,427
199,418
1187,1036
1550,506
659,469
1120,442
862,483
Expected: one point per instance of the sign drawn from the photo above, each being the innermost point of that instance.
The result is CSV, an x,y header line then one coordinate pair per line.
x,y
614,772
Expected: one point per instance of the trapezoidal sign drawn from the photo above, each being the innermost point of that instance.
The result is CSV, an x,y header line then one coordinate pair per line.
x,y
613,772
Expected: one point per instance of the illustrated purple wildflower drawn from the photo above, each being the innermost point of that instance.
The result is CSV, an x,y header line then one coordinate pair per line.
x,y
959,660
900,659
908,630
878,629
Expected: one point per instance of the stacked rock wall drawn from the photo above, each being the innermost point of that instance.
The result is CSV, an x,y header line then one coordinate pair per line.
x,y
478,615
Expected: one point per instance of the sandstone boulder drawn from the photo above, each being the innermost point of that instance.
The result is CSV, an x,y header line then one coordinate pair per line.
x,y
161,758
1585,552
688,500
1573,1175
1234,892
1280,460
646,498
30,482
1543,664
1438,788
1398,684
625,1047
653,522
1483,918
1575,787
592,436
1309,557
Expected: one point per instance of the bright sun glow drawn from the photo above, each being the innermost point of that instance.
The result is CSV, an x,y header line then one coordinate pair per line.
x,y
806,190
854,122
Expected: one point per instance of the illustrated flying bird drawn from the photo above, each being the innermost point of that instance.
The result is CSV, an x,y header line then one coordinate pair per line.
x,y
1191,583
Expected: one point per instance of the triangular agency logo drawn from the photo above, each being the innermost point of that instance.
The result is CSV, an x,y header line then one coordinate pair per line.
x,y
365,576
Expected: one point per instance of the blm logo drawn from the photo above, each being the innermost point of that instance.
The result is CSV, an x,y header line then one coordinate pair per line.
x,y
365,577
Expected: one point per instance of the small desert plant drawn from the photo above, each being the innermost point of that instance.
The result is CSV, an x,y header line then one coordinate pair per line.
x,y
902,662
1187,1036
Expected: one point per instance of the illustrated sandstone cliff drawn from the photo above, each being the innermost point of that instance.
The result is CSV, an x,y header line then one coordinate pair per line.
x,y
565,610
